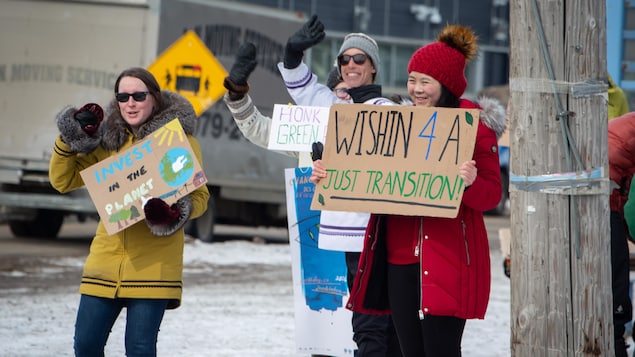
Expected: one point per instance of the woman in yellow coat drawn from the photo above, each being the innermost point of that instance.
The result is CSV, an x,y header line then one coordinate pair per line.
x,y
141,267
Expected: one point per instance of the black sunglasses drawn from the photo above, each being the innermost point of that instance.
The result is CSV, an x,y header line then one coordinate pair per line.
x,y
341,92
359,58
137,96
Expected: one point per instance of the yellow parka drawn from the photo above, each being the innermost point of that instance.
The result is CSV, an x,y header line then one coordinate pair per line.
x,y
141,261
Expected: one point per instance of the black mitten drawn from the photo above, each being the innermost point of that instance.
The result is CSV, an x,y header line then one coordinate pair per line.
x,y
309,35
245,64
160,213
89,117
236,82
316,151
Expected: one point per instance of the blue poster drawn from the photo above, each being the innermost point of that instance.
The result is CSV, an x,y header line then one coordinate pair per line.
x,y
323,324
323,271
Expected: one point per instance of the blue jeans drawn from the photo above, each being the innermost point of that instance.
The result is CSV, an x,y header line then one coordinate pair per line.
x,y
96,316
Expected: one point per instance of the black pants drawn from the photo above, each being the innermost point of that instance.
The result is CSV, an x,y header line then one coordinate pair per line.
x,y
620,271
434,336
374,334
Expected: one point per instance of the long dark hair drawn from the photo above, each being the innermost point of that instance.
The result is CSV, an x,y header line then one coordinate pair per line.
x,y
447,99
146,77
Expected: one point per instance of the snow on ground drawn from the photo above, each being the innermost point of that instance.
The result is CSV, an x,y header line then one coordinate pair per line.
x,y
237,301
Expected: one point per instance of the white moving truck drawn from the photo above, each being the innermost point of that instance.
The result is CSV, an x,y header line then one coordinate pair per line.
x,y
58,53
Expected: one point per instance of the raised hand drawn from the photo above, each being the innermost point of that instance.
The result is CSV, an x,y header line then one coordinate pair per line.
x,y
236,82
311,33
244,65
89,117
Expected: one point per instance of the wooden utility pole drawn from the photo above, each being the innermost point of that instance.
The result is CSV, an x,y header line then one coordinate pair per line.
x,y
560,263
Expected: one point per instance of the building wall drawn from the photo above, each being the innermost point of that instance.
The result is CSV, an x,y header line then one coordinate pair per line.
x,y
394,24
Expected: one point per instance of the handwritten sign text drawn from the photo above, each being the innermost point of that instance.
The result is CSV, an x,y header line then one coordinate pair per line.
x,y
395,159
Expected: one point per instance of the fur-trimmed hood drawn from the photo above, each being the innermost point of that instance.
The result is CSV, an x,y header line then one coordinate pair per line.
x,y
493,115
115,130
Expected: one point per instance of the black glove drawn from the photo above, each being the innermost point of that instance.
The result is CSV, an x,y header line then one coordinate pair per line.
x,y
317,149
309,35
89,117
245,64
236,82
160,213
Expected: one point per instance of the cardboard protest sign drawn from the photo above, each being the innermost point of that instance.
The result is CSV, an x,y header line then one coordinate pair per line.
x,y
161,165
296,127
396,159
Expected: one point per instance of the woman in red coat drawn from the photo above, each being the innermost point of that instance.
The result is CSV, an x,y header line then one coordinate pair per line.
x,y
621,144
433,273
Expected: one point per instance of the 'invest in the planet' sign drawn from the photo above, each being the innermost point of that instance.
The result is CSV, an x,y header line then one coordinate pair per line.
x,y
161,165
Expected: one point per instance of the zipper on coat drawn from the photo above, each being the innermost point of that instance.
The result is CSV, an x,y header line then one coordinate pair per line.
x,y
419,253
467,248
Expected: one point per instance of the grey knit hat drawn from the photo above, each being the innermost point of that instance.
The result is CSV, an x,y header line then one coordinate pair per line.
x,y
333,79
363,42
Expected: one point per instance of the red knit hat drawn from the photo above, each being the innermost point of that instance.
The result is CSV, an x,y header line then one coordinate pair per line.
x,y
445,59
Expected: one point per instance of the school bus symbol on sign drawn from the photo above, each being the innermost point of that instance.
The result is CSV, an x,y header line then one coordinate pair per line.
x,y
190,69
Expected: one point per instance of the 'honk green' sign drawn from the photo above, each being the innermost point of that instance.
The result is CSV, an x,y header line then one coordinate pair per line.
x,y
396,159
296,127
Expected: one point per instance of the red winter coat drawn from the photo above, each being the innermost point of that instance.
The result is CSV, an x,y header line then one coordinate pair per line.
x,y
454,252
621,157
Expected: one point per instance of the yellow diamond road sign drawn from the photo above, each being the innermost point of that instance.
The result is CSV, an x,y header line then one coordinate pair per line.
x,y
190,69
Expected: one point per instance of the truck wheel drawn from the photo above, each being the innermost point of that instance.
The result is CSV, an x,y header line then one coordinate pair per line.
x,y
45,224
203,227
